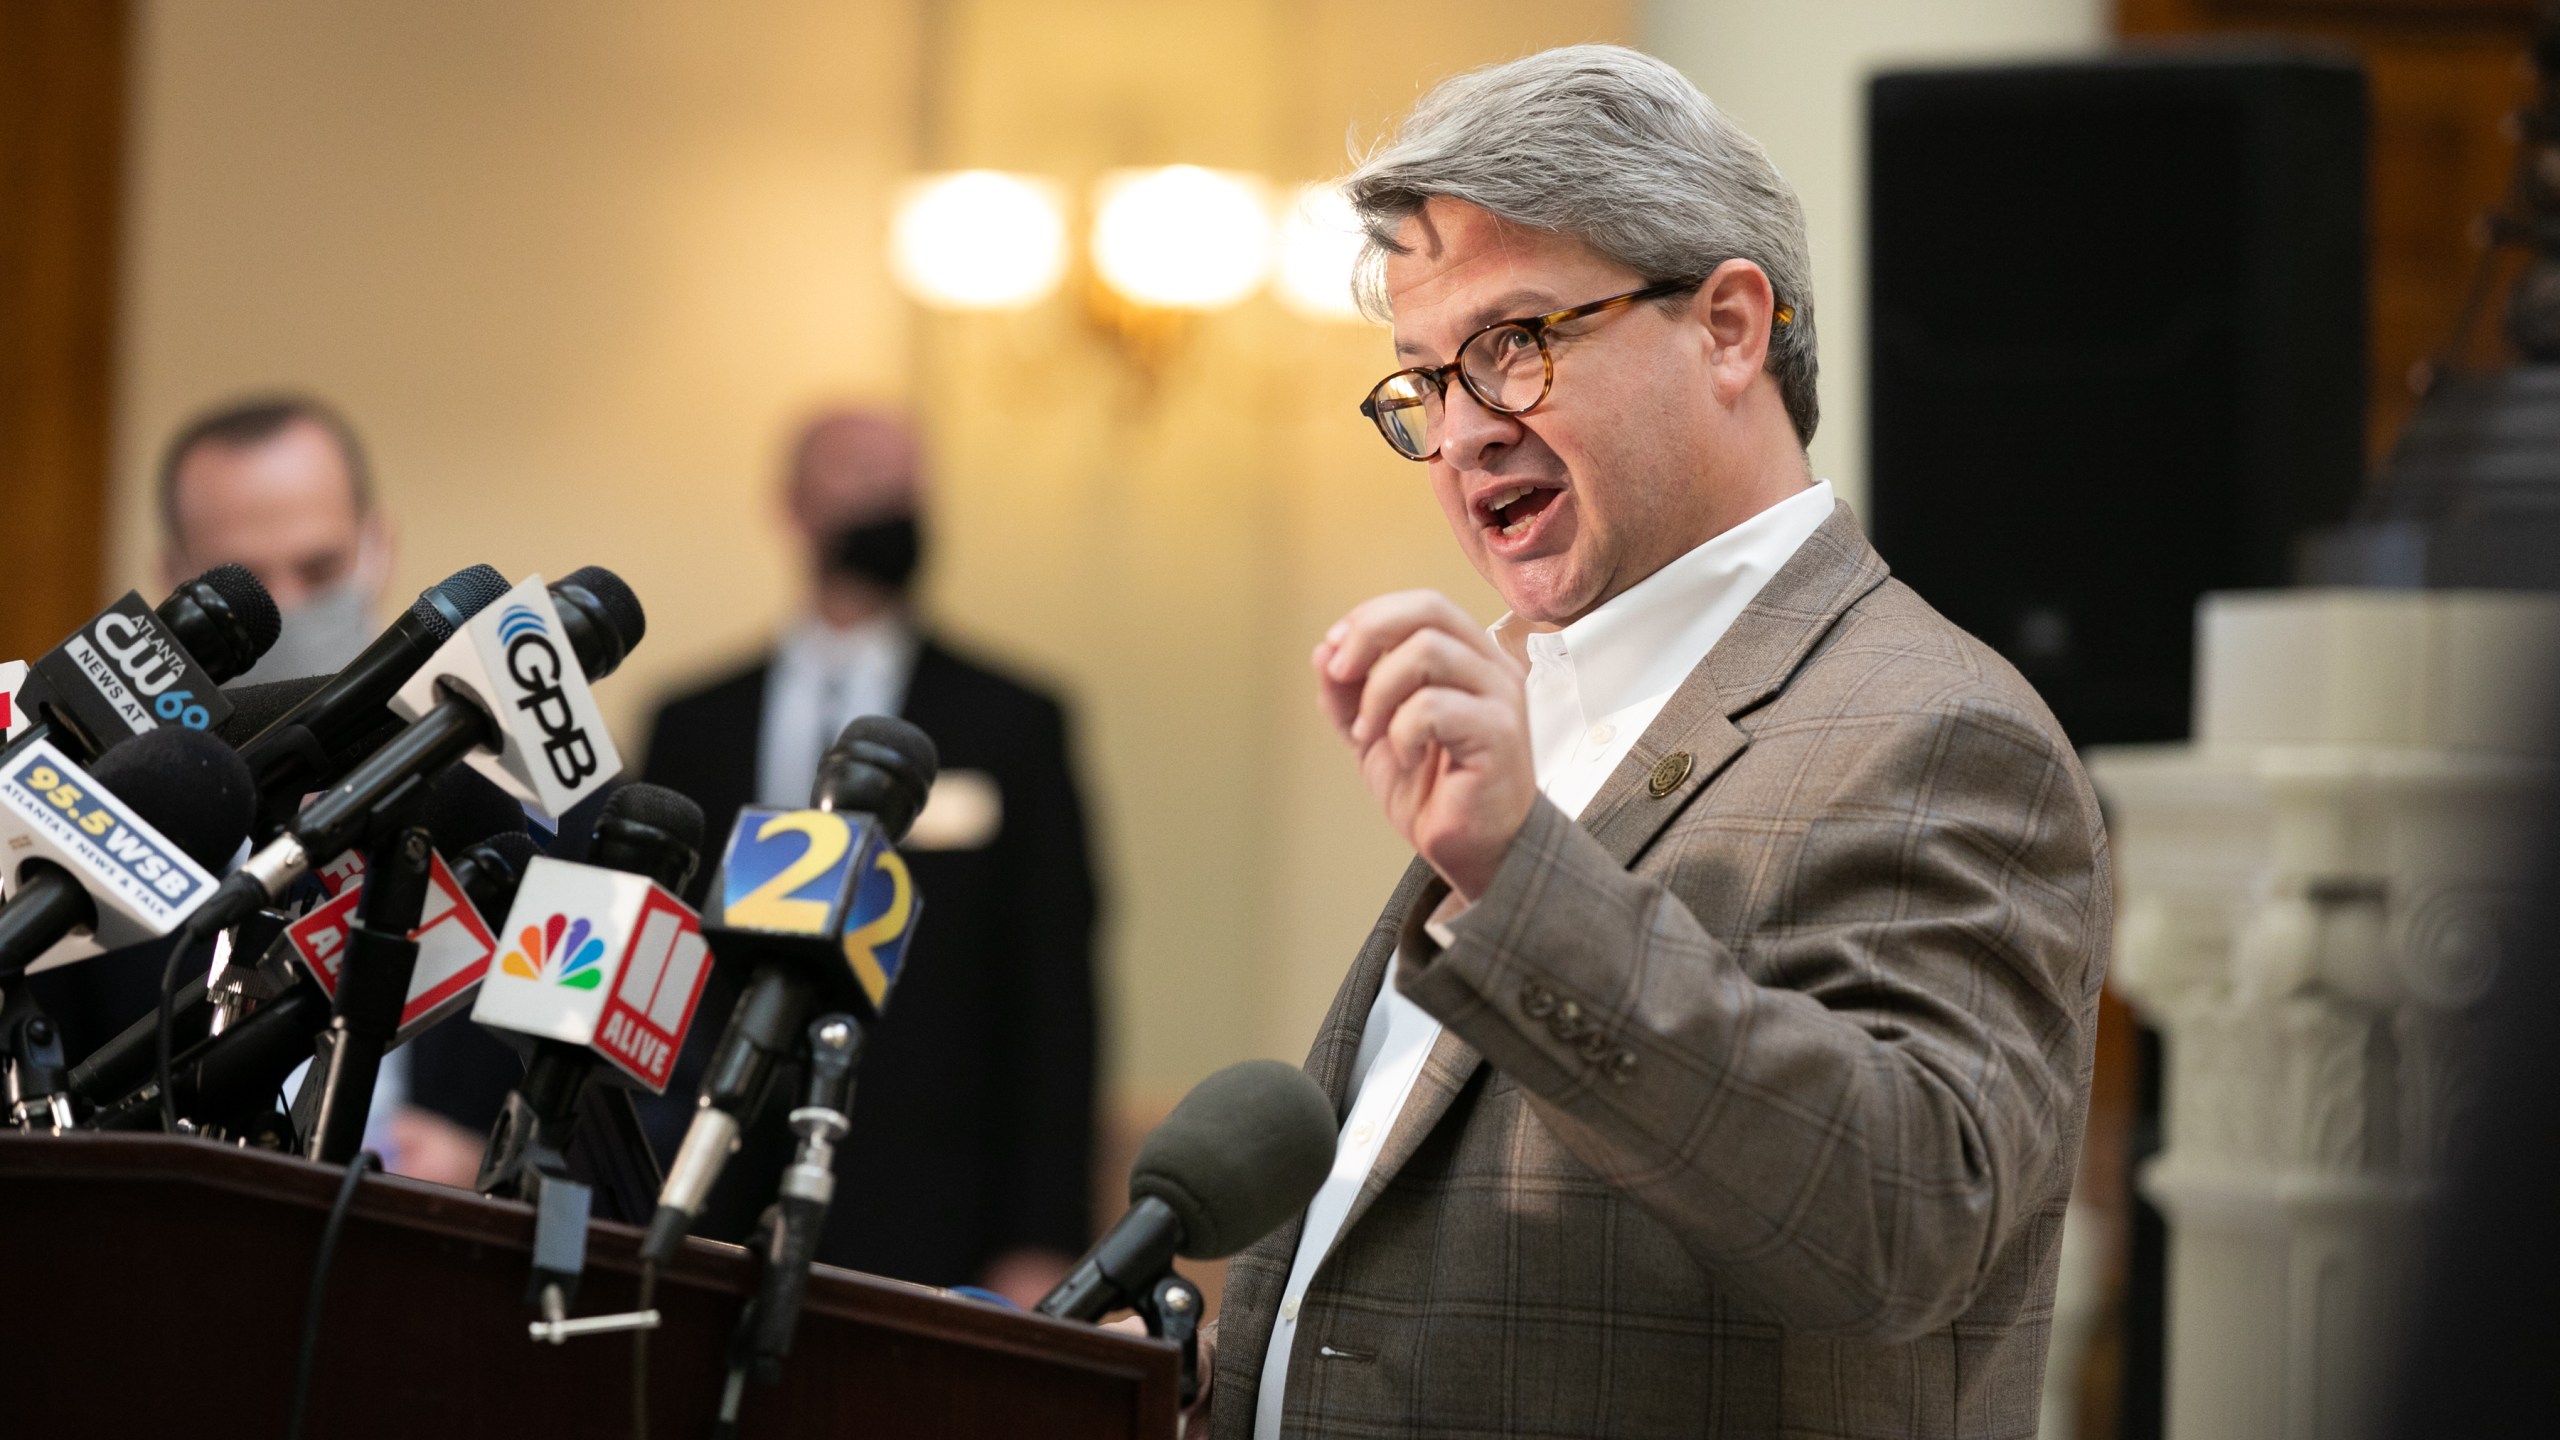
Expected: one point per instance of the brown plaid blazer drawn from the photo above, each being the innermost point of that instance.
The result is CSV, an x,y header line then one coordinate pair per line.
x,y
1760,1096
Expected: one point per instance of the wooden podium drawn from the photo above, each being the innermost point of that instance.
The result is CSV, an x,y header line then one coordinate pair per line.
x,y
156,1287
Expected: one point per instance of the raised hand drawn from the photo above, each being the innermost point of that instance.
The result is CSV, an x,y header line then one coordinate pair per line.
x,y
1439,718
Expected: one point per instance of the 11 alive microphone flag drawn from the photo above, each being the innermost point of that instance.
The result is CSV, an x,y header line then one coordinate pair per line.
x,y
600,958
824,888
50,809
455,945
515,661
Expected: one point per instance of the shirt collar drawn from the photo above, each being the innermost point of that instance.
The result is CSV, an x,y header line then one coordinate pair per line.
x,y
1645,641
814,645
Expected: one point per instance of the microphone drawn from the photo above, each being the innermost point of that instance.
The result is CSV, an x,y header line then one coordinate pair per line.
x,y
820,905
89,870
131,668
310,732
497,692
455,944
243,1067
90,865
1244,1151
604,968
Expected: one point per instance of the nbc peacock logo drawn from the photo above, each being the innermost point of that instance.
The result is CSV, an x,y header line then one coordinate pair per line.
x,y
561,949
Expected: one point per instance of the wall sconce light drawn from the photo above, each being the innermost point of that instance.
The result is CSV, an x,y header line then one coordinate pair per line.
x,y
1181,238
1319,243
979,240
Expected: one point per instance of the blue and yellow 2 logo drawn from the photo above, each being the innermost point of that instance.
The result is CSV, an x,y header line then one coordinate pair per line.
x,y
815,872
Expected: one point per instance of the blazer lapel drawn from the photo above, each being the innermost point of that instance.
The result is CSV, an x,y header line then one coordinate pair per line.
x,y
1768,641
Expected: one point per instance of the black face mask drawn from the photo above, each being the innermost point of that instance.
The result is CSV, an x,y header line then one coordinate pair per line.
x,y
884,553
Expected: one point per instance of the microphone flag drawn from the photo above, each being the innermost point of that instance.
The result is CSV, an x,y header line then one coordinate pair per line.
x,y
144,886
514,660
823,889
455,946
123,673
600,958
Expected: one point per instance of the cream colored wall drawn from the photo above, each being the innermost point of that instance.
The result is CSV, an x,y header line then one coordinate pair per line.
x,y
1793,73
568,266
571,266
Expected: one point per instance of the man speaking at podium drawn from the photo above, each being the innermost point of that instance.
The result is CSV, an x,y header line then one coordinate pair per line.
x,y
1719,1066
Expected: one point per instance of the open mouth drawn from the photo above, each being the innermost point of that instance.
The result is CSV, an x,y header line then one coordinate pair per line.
x,y
1510,511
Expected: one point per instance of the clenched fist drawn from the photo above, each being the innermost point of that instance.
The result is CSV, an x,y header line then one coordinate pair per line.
x,y
1439,717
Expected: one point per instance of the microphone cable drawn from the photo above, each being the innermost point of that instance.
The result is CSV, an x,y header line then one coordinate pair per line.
x,y
320,1266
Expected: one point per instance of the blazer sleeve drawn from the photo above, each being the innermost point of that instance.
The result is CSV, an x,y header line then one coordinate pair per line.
x,y
1846,1123
1048,1017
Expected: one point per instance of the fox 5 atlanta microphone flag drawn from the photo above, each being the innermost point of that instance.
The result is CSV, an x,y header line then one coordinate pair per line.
x,y
51,810
515,660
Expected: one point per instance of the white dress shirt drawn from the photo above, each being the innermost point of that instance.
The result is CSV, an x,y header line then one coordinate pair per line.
x,y
821,678
1593,687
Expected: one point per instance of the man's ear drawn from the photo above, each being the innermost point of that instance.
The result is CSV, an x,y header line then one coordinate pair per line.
x,y
173,566
1735,308
381,535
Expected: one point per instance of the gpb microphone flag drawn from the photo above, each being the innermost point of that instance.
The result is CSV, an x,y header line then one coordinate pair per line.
x,y
143,883
601,958
826,888
514,660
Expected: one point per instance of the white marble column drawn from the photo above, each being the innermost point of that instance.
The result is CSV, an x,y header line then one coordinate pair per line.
x,y
2310,895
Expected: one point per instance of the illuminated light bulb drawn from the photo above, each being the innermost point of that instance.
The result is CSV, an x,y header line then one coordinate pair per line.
x,y
1319,242
979,240
1182,238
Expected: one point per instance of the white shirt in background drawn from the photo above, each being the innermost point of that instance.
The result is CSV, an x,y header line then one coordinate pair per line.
x,y
1593,687
821,678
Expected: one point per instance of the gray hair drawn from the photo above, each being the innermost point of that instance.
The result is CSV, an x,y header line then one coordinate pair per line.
x,y
1616,149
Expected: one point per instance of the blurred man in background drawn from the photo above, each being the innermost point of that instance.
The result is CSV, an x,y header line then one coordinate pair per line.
x,y
278,484
972,1135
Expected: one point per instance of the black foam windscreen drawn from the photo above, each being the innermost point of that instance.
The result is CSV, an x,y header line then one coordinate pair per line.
x,y
621,608
881,766
444,606
1244,1151
248,600
657,806
463,808
648,830
188,785
255,707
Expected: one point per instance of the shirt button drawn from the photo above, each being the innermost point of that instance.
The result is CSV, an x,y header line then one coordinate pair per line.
x,y
1289,1311
1361,1132
1601,735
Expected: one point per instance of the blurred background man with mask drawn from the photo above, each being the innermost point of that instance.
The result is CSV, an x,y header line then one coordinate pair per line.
x,y
970,1155
278,484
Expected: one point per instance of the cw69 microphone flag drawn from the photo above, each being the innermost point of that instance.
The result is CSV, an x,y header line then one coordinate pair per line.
x,y
52,810
824,890
514,660
600,958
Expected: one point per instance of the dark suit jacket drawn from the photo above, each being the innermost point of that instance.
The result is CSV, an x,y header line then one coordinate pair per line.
x,y
973,1109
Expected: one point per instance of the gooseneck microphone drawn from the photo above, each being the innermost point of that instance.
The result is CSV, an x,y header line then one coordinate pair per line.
x,y
320,730
817,907
613,989
130,670
1244,1151
601,620
94,862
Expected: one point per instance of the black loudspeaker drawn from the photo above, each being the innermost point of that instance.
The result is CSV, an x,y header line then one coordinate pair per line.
x,y
2118,352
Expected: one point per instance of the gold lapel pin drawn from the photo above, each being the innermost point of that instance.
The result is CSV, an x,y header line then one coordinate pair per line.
x,y
1668,772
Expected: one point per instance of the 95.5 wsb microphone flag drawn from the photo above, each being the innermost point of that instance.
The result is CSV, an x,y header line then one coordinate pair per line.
x,y
823,889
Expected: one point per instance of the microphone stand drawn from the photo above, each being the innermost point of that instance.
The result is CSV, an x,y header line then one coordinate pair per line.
x,y
38,1076
372,990
798,1215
